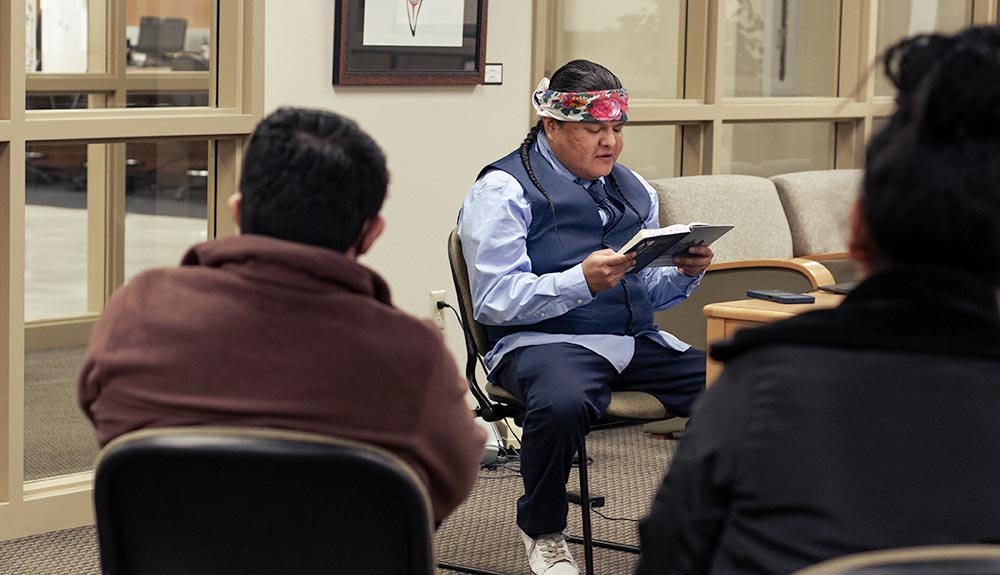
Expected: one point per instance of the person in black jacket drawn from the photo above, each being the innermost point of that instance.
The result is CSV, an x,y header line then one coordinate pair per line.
x,y
872,425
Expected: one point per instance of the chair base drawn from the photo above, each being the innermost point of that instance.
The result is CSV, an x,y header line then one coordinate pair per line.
x,y
466,569
613,545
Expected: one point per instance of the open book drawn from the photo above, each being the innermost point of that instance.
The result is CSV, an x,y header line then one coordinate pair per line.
x,y
659,247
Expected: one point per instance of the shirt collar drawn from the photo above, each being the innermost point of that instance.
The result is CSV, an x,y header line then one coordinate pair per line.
x,y
545,149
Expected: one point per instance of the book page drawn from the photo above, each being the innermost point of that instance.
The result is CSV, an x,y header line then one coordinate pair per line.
x,y
671,229
664,254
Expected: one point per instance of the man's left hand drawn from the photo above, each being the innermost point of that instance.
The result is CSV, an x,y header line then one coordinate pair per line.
x,y
701,257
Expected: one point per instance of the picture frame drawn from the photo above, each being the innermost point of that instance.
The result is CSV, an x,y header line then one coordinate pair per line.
x,y
409,42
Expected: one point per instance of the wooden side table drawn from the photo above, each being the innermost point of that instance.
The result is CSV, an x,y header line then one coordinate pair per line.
x,y
726,318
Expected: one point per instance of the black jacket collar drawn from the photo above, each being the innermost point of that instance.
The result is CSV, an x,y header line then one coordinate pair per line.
x,y
933,312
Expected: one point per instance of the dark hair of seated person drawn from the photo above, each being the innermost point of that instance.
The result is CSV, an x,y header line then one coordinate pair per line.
x,y
312,177
931,191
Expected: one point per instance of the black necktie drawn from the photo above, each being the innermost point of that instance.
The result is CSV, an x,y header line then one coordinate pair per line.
x,y
605,202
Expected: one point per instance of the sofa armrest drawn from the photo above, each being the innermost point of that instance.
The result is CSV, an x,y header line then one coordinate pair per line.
x,y
825,256
840,264
813,270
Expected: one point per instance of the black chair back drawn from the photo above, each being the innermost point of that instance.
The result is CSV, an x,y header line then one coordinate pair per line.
x,y
240,501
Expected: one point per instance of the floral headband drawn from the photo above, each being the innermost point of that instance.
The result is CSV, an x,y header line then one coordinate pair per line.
x,y
600,106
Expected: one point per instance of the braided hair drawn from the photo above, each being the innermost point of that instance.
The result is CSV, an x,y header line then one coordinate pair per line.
x,y
574,76
932,177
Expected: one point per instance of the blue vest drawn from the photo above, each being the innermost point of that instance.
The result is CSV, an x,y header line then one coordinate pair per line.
x,y
560,241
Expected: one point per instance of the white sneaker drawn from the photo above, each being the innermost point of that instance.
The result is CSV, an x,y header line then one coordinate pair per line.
x,y
549,555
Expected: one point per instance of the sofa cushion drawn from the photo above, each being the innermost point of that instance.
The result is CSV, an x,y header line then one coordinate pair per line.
x,y
750,203
818,206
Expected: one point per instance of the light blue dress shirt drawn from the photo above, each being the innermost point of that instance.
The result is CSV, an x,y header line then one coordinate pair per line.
x,y
493,226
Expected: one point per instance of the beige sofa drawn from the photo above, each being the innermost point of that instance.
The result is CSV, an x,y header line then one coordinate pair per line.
x,y
756,254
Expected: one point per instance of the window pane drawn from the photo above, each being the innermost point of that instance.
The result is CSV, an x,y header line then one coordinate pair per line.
x,y
900,18
781,48
165,39
166,99
777,148
879,123
650,150
165,203
57,38
58,438
610,36
57,102
55,281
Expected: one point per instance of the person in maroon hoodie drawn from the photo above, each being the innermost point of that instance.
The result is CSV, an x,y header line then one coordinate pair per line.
x,y
281,327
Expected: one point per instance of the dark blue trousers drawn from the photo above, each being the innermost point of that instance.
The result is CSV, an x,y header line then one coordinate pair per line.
x,y
565,387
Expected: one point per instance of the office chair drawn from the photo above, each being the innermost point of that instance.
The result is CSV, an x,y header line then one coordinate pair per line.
x,y
925,560
242,501
496,403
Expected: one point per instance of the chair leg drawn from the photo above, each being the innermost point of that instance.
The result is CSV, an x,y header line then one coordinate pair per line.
x,y
588,540
588,544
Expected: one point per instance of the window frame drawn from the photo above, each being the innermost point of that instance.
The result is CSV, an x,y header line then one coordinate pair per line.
x,y
235,84
704,111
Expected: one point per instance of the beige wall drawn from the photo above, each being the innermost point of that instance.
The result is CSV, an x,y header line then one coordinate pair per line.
x,y
436,138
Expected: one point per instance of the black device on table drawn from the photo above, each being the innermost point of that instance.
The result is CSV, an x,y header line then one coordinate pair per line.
x,y
780,296
843,288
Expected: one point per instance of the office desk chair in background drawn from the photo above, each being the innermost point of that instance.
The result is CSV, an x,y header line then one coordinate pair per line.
x,y
243,501
924,560
495,403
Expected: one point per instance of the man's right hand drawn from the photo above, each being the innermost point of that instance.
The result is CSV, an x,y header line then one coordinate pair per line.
x,y
604,269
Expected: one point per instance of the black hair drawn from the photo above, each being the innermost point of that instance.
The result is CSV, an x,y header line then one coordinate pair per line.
x,y
574,76
931,191
313,177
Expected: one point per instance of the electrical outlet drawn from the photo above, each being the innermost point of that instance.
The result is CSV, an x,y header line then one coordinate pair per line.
x,y
436,313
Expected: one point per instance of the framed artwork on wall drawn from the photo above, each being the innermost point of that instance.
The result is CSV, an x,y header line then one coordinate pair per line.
x,y
416,42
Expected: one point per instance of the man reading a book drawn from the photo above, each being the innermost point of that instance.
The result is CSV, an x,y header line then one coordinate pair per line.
x,y
568,319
